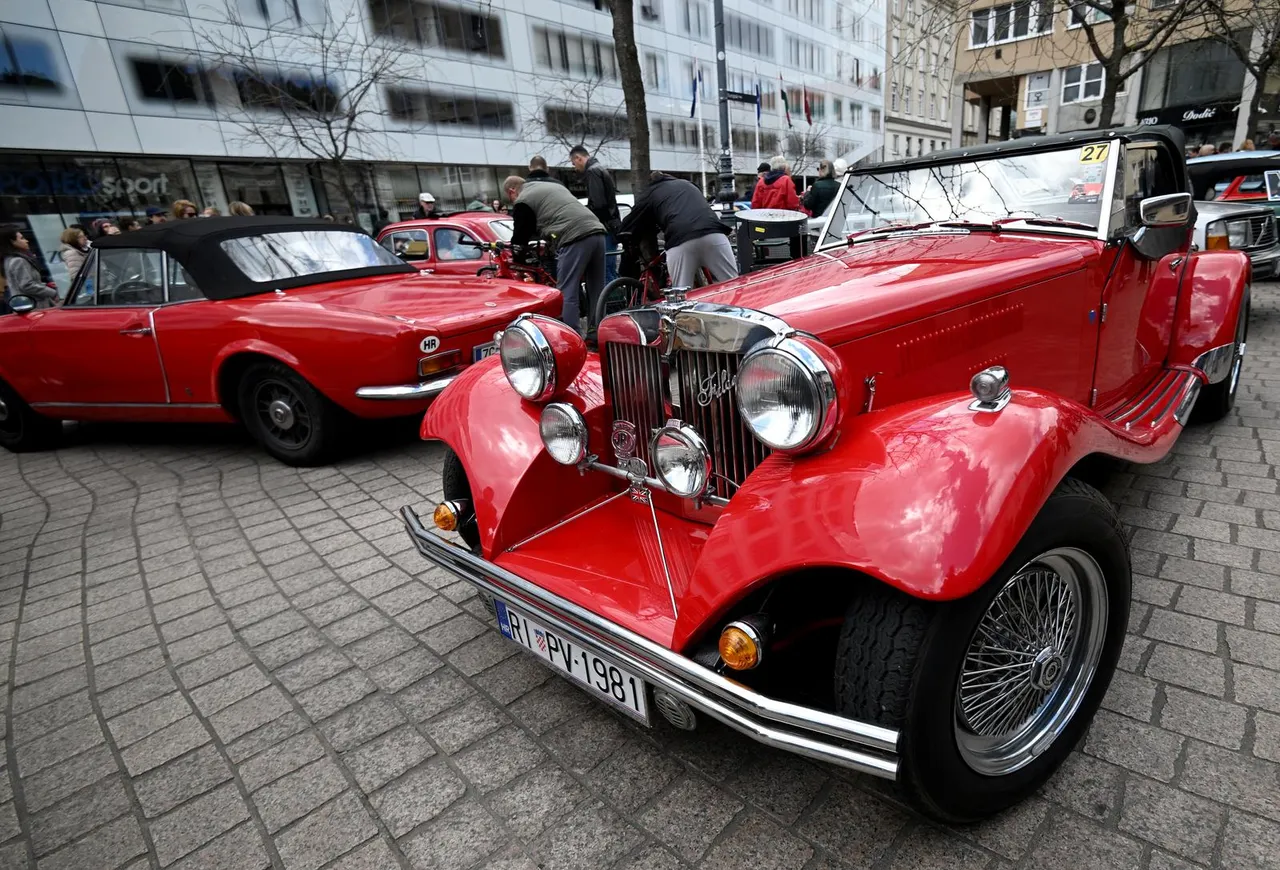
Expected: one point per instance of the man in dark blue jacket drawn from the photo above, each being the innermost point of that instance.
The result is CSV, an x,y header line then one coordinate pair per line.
x,y
695,237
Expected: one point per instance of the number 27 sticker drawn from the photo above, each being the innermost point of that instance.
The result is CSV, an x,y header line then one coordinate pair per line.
x,y
1094,153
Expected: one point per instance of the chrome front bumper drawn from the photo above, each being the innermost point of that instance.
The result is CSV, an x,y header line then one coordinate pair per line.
x,y
806,731
1265,262
424,390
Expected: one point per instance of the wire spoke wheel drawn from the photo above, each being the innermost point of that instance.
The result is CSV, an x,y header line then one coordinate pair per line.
x,y
283,413
1031,661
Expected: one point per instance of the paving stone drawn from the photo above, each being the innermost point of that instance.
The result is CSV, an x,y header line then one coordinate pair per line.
x,y
926,846
57,782
196,823
499,758
1132,695
1251,842
457,838
108,846
418,797
266,736
690,816
1184,667
1170,818
67,821
337,693
249,713
1074,842
1142,748
383,759
464,723
52,716
128,728
329,832
312,670
225,691
59,745
1254,647
238,849
284,757
361,722
1206,718
163,788
1183,630
379,647
164,745
531,804
293,796
405,669
373,855
1266,740
636,770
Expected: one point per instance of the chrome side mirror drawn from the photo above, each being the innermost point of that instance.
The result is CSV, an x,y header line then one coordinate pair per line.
x,y
1170,210
21,304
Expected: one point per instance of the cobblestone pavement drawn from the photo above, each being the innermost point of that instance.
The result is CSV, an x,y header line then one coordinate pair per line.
x,y
215,661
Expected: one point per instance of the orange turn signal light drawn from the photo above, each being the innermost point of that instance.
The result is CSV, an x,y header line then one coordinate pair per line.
x,y
741,647
446,516
1216,243
430,365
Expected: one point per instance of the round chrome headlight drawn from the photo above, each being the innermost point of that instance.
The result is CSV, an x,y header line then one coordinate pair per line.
x,y
681,460
786,395
527,360
564,433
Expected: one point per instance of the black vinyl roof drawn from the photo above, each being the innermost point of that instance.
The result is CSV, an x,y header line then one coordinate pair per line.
x,y
196,244
1170,136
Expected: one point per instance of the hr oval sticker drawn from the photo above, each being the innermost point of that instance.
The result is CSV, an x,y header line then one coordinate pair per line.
x,y
430,344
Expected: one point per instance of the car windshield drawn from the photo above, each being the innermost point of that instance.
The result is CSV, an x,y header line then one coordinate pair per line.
x,y
504,230
1065,185
302,253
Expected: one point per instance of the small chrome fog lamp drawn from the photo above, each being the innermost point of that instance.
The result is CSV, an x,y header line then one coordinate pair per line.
x,y
681,460
990,388
564,433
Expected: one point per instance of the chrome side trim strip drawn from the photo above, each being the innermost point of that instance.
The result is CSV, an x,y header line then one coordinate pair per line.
x,y
155,341
1216,362
424,390
818,734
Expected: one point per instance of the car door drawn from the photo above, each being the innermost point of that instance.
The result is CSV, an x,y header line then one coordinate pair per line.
x,y
458,252
412,246
99,348
1138,300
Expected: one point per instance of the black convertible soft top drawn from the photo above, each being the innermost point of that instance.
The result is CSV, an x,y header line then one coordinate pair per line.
x,y
1170,136
196,243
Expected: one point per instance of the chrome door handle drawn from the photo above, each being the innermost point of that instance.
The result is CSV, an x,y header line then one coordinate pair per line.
x,y
137,330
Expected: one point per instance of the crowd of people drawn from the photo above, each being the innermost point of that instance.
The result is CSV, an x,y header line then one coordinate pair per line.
x,y
1272,144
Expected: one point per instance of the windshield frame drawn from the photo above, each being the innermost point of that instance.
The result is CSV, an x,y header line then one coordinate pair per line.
x,y
1102,233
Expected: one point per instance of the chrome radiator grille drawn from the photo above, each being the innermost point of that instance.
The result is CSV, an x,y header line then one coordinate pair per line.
x,y
708,402
701,394
1262,231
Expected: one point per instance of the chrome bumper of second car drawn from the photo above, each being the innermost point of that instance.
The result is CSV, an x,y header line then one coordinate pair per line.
x,y
424,390
1266,262
807,731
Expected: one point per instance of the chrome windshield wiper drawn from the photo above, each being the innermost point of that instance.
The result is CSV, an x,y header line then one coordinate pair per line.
x,y
1062,223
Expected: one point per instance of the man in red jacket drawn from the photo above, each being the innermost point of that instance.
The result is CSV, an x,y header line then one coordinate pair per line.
x,y
776,189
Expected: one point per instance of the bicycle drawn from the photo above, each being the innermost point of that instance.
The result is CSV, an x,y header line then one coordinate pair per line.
x,y
624,293
504,264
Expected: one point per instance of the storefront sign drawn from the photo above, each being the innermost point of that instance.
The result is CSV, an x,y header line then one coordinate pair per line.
x,y
1213,114
80,183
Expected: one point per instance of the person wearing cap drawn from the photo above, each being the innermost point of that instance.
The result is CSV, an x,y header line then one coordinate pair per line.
x,y
426,206
156,215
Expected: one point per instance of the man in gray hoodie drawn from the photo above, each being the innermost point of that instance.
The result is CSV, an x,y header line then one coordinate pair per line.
x,y
551,211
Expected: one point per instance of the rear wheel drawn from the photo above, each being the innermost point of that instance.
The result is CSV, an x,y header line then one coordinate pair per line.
x,y
23,429
1217,400
991,692
289,417
487,272
619,294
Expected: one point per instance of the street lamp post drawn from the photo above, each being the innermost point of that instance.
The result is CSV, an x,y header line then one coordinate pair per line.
x,y
727,193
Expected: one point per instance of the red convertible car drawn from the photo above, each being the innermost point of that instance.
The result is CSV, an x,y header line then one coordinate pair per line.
x,y
447,245
294,327
841,505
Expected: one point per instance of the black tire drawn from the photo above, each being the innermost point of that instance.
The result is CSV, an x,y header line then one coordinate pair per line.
x,y
315,428
1217,400
489,271
458,488
900,659
619,295
23,430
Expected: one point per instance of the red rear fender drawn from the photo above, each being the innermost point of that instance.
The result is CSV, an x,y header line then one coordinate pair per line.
x,y
1212,291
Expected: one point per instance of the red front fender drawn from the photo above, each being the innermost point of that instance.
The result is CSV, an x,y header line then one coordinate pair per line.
x,y
1212,292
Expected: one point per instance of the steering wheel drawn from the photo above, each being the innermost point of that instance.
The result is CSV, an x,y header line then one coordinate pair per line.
x,y
143,289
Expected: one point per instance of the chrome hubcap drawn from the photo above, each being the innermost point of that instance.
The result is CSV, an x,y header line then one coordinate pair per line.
x,y
1030,661
281,413
4,410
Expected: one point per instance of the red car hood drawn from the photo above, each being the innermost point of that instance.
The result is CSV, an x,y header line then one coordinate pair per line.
x,y
843,294
447,307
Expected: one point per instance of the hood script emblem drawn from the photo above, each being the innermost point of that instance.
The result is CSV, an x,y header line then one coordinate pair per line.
x,y
713,386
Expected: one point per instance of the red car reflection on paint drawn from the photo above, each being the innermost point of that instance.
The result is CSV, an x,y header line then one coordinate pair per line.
x,y
841,505
294,327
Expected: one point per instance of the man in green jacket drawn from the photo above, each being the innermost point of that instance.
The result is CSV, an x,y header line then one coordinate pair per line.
x,y
551,211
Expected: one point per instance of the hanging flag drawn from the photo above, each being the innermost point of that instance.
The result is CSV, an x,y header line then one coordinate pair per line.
x,y
693,106
808,111
757,104
786,105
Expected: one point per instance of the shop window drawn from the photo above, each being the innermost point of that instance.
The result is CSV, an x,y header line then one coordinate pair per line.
x,y
438,25
162,81
465,110
28,64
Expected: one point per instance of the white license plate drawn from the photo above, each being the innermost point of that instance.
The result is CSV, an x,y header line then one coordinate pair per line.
x,y
605,679
480,351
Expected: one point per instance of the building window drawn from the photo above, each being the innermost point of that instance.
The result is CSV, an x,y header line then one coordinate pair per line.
x,y
855,115
655,72
806,10
896,138
697,19
438,26
1009,22
281,92
1082,82
577,55
920,102
748,35
579,125
28,64
906,102
650,12
1082,12
167,82
805,55
839,109
445,109
875,119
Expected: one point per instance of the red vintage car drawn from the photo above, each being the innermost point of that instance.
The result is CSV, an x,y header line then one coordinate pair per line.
x,y
447,245
294,327
841,505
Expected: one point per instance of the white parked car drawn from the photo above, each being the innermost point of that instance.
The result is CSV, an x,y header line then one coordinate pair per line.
x,y
1248,228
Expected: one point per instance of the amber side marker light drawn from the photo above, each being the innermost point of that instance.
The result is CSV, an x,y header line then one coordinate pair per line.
x,y
430,365
1216,243
741,646
446,516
